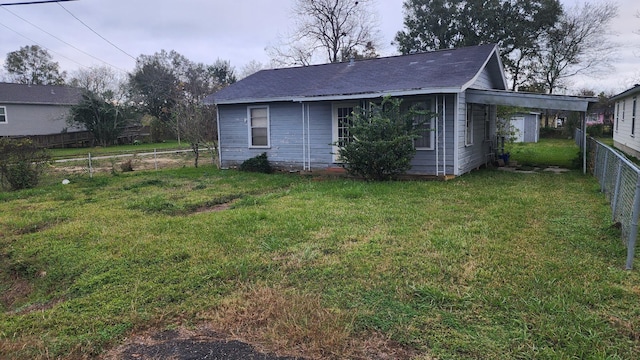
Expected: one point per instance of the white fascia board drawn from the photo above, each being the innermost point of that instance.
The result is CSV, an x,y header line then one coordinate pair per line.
x,y
299,99
398,93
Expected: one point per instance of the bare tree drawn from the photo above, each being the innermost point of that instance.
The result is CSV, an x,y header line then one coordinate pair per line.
x,y
576,45
326,31
102,81
250,68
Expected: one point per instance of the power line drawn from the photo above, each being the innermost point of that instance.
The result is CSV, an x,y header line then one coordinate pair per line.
x,y
42,46
34,2
95,32
59,39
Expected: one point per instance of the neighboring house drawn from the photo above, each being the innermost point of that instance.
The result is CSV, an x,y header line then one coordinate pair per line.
x,y
39,112
626,134
296,114
526,127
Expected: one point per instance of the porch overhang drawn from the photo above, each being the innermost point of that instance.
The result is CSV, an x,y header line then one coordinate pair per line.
x,y
530,100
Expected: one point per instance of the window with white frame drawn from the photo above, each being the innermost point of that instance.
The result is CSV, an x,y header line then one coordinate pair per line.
x,y
468,138
3,114
487,124
342,114
617,114
633,116
424,119
258,126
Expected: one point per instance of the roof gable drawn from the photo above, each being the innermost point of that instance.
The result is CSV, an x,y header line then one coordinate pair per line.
x,y
451,70
634,90
39,94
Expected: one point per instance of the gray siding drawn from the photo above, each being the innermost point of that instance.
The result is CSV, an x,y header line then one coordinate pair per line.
x,y
293,140
475,155
484,81
286,135
25,120
424,162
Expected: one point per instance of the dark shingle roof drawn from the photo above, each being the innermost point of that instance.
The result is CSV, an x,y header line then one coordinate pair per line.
x,y
39,94
444,69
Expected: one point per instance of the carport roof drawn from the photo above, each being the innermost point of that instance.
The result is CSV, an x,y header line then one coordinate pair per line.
x,y
530,100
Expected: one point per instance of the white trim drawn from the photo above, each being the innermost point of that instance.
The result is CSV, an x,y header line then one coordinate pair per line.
x,y
430,104
4,115
249,133
456,135
346,97
468,128
334,124
218,131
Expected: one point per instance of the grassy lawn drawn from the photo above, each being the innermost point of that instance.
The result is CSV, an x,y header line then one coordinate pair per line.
x,y
115,150
491,265
558,152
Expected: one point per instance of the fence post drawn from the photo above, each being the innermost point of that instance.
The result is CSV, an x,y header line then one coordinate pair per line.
x,y
90,167
603,172
614,203
155,158
633,233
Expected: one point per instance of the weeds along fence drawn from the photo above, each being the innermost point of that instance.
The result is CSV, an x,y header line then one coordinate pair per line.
x,y
89,162
619,180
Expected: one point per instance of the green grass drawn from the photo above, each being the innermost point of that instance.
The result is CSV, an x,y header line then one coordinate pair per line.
x,y
115,150
489,265
557,152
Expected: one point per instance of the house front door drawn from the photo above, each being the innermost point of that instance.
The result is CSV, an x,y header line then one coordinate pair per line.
x,y
342,113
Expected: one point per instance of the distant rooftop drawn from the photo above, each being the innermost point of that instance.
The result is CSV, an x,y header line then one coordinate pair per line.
x,y
39,94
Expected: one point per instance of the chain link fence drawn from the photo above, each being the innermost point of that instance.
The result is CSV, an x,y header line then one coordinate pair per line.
x,y
619,180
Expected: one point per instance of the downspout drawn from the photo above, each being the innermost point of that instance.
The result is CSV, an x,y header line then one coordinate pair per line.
x,y
308,137
437,144
584,142
444,132
456,140
219,139
304,149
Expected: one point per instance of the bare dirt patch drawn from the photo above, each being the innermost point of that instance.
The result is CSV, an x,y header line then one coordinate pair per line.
x,y
183,344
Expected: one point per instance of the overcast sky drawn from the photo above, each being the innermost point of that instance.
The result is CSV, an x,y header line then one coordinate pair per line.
x,y
234,30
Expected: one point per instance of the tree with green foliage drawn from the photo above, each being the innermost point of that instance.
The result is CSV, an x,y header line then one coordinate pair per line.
x,y
21,163
33,65
515,25
381,145
171,88
104,119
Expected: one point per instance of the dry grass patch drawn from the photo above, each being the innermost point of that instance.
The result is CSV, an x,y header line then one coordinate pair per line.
x,y
288,322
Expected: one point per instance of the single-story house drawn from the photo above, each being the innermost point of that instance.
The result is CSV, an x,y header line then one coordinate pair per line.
x,y
296,114
37,111
626,135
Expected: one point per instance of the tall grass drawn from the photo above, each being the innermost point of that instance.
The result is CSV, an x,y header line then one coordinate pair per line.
x,y
489,265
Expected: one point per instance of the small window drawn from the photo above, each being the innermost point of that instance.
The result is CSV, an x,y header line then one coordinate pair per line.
x,y
633,117
468,140
487,124
3,114
259,127
617,115
427,133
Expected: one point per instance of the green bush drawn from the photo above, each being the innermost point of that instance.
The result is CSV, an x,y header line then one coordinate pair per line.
x,y
381,145
258,164
21,163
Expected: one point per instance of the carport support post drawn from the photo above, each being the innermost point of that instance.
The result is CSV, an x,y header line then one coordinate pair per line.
x,y
633,232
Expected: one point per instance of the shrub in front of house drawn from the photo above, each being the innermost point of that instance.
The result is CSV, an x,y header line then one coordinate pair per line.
x,y
381,145
258,164
21,163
